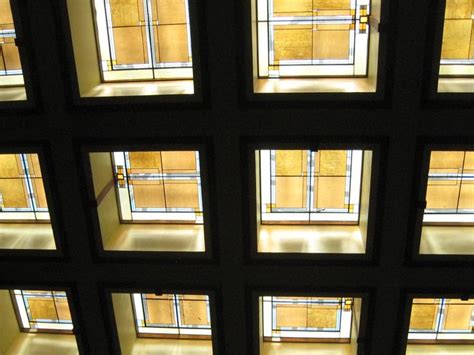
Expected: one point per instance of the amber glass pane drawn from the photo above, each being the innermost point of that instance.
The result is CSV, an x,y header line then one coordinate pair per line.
x,y
458,315
181,194
148,193
12,187
292,7
126,12
320,316
423,314
6,17
293,42
179,162
42,308
466,198
446,160
193,311
330,192
62,307
442,194
145,162
290,192
330,43
172,43
289,315
291,162
10,53
458,32
160,312
332,4
169,11
130,45
331,162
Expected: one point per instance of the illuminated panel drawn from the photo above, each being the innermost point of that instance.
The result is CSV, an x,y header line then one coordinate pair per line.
x,y
172,315
10,64
305,38
46,311
159,186
457,50
144,39
22,194
306,319
441,320
304,186
450,190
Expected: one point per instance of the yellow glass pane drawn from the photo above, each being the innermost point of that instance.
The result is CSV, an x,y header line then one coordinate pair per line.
x,y
466,198
11,56
332,4
130,45
458,317
322,316
169,11
291,316
442,194
469,161
331,44
292,7
291,162
290,192
193,312
292,42
34,165
14,193
42,308
179,162
181,194
5,12
456,39
148,194
126,12
160,312
330,192
158,297
458,8
446,160
145,162
331,162
423,316
10,165
172,44
40,193
62,307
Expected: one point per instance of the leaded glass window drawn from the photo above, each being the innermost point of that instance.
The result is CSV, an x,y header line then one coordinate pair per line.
x,y
10,64
22,193
312,38
450,190
457,51
144,39
306,319
305,186
43,311
159,186
185,316
441,320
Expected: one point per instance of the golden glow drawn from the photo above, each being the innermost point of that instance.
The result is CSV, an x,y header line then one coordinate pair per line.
x,y
10,64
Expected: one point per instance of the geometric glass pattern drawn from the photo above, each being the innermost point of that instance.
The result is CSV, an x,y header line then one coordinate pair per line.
x,y
312,38
306,319
144,39
22,193
172,315
442,320
46,311
457,50
10,65
160,186
450,188
310,187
